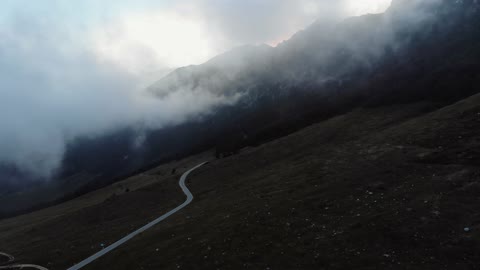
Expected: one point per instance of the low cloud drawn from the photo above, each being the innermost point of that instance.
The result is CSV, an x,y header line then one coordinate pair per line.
x,y
68,72
52,92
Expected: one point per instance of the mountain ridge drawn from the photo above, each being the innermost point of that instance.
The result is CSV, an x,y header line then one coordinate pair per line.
x,y
368,62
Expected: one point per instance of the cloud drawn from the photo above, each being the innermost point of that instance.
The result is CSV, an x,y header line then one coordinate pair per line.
x,y
192,31
268,21
152,40
52,91
72,69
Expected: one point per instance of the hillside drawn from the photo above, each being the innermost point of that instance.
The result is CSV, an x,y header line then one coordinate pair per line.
x,y
350,146
415,52
391,187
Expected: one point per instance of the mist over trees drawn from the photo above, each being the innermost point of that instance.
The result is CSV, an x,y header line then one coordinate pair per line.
x,y
415,51
78,70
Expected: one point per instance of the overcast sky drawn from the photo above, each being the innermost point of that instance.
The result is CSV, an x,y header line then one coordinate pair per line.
x,y
75,68
144,35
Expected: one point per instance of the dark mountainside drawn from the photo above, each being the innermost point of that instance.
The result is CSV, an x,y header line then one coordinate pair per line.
x,y
323,71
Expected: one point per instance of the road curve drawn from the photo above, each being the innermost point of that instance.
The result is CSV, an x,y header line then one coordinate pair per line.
x,y
144,228
9,264
23,266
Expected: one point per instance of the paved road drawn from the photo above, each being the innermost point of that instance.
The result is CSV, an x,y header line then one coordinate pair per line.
x,y
144,228
11,260
23,266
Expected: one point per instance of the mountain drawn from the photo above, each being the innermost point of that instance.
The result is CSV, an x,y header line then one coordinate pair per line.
x,y
415,51
390,187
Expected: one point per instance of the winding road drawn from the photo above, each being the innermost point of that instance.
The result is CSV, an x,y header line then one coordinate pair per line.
x,y
10,260
144,228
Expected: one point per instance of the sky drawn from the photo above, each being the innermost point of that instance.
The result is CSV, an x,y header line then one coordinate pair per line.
x,y
77,68
146,35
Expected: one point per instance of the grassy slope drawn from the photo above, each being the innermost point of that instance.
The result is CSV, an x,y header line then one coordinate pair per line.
x,y
375,188
67,232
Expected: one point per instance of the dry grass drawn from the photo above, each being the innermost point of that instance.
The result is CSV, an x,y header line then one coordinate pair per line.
x,y
367,190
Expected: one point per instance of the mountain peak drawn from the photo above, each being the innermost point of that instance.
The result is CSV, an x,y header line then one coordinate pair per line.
x,y
240,54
